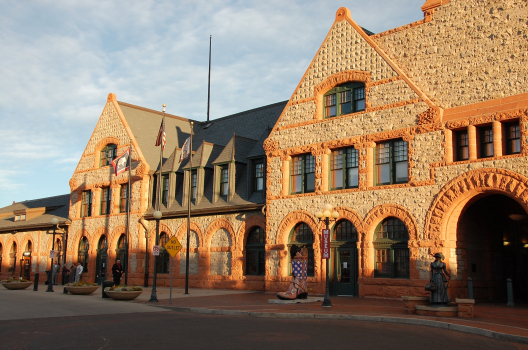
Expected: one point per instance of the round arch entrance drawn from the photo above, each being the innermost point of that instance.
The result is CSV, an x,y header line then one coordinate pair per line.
x,y
492,243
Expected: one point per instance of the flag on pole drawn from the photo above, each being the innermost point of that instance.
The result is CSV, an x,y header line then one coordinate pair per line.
x,y
122,163
161,136
186,149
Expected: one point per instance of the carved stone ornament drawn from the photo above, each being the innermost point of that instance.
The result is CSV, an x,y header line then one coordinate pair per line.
x,y
271,145
431,115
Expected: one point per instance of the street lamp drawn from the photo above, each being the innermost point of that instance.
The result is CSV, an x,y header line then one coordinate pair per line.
x,y
325,215
54,222
153,297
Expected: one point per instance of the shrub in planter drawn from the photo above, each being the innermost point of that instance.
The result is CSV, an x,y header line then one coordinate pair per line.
x,y
123,292
81,288
16,283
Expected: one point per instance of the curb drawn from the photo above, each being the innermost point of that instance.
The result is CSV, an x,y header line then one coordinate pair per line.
x,y
365,318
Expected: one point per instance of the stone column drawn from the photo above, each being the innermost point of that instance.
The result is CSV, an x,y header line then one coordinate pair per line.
x,y
286,175
472,138
448,134
497,139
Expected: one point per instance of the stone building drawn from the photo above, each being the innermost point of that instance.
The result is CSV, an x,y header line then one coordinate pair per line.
x,y
227,192
417,136
26,236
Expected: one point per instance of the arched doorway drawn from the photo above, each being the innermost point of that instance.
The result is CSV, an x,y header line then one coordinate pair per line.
x,y
82,256
121,250
492,244
12,258
101,261
256,252
344,265
26,261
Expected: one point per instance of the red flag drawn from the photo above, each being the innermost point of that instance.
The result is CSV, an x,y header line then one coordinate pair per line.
x,y
161,136
122,163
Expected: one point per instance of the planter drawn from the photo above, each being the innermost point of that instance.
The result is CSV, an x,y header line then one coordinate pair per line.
x,y
123,295
81,290
17,285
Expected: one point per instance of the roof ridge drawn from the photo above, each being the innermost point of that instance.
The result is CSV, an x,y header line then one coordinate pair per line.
x,y
153,111
244,112
39,199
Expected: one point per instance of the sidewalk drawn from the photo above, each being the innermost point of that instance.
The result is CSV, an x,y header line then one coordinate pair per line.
x,y
491,320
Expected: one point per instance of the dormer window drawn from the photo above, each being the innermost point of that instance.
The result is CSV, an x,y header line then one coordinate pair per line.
x,y
224,180
194,185
108,154
258,176
344,99
20,217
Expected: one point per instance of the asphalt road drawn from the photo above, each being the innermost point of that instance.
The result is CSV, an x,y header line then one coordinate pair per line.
x,y
174,330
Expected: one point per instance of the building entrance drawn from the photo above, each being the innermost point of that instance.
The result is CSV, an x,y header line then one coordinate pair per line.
x,y
101,261
344,259
492,243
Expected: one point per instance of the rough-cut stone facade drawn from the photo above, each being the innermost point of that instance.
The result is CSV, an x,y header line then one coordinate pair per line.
x,y
462,67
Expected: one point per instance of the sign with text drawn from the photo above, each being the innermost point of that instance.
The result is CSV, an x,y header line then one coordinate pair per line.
x,y
52,254
155,250
325,244
173,246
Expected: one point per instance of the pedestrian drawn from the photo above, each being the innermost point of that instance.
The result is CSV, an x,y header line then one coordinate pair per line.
x,y
117,272
65,272
73,272
55,273
78,272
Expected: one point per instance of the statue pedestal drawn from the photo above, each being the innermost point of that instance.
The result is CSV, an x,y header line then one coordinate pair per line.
x,y
465,307
441,311
410,303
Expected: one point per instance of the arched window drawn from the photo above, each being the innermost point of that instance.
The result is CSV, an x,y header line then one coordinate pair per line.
x,y
302,235
103,243
392,252
256,252
12,257
121,248
1,255
345,231
344,99
108,154
163,264
29,246
82,257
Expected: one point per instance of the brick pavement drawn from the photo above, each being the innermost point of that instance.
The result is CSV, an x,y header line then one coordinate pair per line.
x,y
490,319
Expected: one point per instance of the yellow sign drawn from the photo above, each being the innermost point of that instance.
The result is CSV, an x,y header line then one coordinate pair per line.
x,y
173,246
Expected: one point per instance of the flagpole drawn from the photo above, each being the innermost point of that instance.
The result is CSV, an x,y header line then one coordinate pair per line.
x,y
129,195
189,216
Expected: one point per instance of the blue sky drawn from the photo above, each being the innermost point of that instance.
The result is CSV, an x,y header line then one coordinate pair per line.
x,y
59,59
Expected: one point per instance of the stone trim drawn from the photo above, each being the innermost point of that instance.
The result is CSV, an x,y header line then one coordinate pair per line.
x,y
215,226
113,238
382,211
385,81
398,29
162,228
246,226
287,224
74,249
182,230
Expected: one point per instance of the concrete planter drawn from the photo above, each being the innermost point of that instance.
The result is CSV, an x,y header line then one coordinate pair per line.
x,y
81,290
129,295
17,285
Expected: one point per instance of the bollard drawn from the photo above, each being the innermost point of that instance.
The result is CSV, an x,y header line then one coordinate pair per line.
x,y
35,285
50,282
470,288
509,287
106,284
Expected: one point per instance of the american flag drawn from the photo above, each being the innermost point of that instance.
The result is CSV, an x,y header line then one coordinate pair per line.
x,y
161,136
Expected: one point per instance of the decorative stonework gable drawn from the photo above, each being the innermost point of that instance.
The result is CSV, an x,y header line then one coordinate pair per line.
x,y
431,115
382,211
271,146
460,190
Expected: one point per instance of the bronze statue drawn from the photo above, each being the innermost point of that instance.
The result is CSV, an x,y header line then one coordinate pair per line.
x,y
298,288
439,282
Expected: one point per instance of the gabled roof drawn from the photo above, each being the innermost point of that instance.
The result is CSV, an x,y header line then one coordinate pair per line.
x,y
236,150
258,148
48,208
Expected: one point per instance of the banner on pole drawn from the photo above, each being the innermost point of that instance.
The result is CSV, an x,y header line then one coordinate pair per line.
x,y
325,244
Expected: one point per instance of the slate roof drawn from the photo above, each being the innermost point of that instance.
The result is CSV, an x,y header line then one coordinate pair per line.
x,y
56,207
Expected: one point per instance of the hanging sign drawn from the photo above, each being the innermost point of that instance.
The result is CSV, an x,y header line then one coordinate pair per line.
x,y
52,254
325,244
173,246
155,250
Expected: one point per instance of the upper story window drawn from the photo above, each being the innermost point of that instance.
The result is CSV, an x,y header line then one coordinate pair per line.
x,y
123,199
224,180
105,201
513,138
345,168
108,154
462,145
486,142
194,184
86,204
165,189
258,176
392,252
303,174
20,217
344,99
391,162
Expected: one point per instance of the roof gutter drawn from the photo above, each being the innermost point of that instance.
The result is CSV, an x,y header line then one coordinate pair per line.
x,y
208,211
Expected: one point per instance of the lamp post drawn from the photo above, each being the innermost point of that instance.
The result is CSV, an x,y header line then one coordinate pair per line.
x,y
325,215
54,222
153,295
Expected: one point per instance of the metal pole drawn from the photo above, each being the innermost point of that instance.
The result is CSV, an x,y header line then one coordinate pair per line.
x,y
153,295
189,215
209,79
509,288
470,288
129,195
170,293
326,301
50,276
